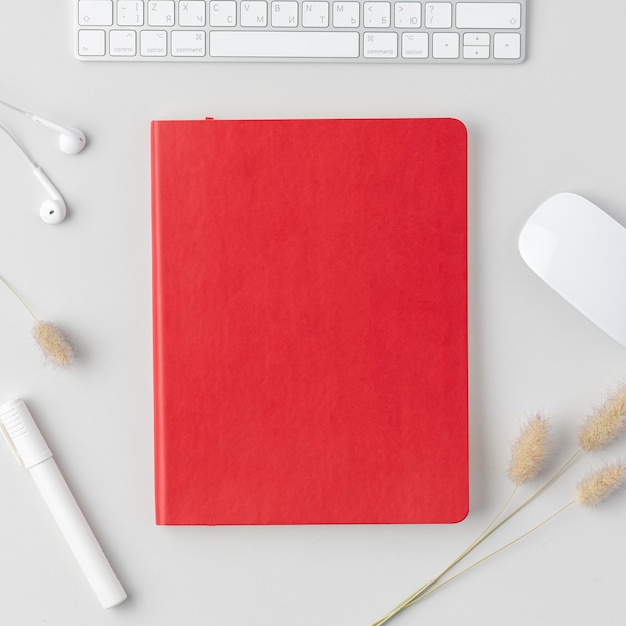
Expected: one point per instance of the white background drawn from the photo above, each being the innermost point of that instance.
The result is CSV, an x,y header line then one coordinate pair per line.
x,y
554,123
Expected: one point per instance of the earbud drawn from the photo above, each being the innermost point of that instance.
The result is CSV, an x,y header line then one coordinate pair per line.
x,y
71,140
53,210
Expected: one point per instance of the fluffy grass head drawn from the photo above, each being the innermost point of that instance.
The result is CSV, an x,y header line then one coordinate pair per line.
x,y
53,343
529,450
605,424
592,490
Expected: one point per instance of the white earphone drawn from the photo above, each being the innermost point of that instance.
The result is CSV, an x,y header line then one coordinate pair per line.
x,y
53,210
71,140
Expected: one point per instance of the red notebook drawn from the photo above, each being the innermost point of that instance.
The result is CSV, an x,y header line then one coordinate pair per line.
x,y
310,321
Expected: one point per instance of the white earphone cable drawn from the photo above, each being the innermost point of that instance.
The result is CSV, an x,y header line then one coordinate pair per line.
x,y
19,145
12,106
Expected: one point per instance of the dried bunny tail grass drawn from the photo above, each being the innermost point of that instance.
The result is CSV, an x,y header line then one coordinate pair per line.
x,y
605,424
595,488
53,343
529,451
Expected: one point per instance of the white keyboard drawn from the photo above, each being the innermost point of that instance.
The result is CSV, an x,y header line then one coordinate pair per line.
x,y
490,31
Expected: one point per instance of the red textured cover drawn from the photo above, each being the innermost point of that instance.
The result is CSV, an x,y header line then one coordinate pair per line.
x,y
310,321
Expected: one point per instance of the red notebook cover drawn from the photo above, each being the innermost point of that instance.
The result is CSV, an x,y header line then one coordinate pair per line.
x,y
310,321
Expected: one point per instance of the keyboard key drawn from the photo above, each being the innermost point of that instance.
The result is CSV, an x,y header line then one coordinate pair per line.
x,y
254,13
95,13
277,44
129,13
380,45
476,39
475,52
407,14
315,14
192,13
188,43
488,15
445,45
153,43
122,43
91,43
507,46
346,14
377,15
438,15
285,14
415,45
161,13
223,13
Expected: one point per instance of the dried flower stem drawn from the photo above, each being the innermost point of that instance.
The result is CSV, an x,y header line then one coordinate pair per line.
x,y
484,535
492,554
415,596
8,286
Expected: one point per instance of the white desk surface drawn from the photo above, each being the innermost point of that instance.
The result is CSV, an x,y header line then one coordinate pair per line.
x,y
553,123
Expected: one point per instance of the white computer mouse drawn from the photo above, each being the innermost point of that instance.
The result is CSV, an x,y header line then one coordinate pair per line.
x,y
580,251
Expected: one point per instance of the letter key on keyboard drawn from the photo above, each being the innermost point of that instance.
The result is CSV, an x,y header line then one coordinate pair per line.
x,y
361,31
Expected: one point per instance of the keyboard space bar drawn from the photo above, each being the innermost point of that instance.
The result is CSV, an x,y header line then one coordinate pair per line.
x,y
284,44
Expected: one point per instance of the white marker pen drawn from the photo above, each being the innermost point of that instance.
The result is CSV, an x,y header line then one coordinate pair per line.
x,y
32,452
